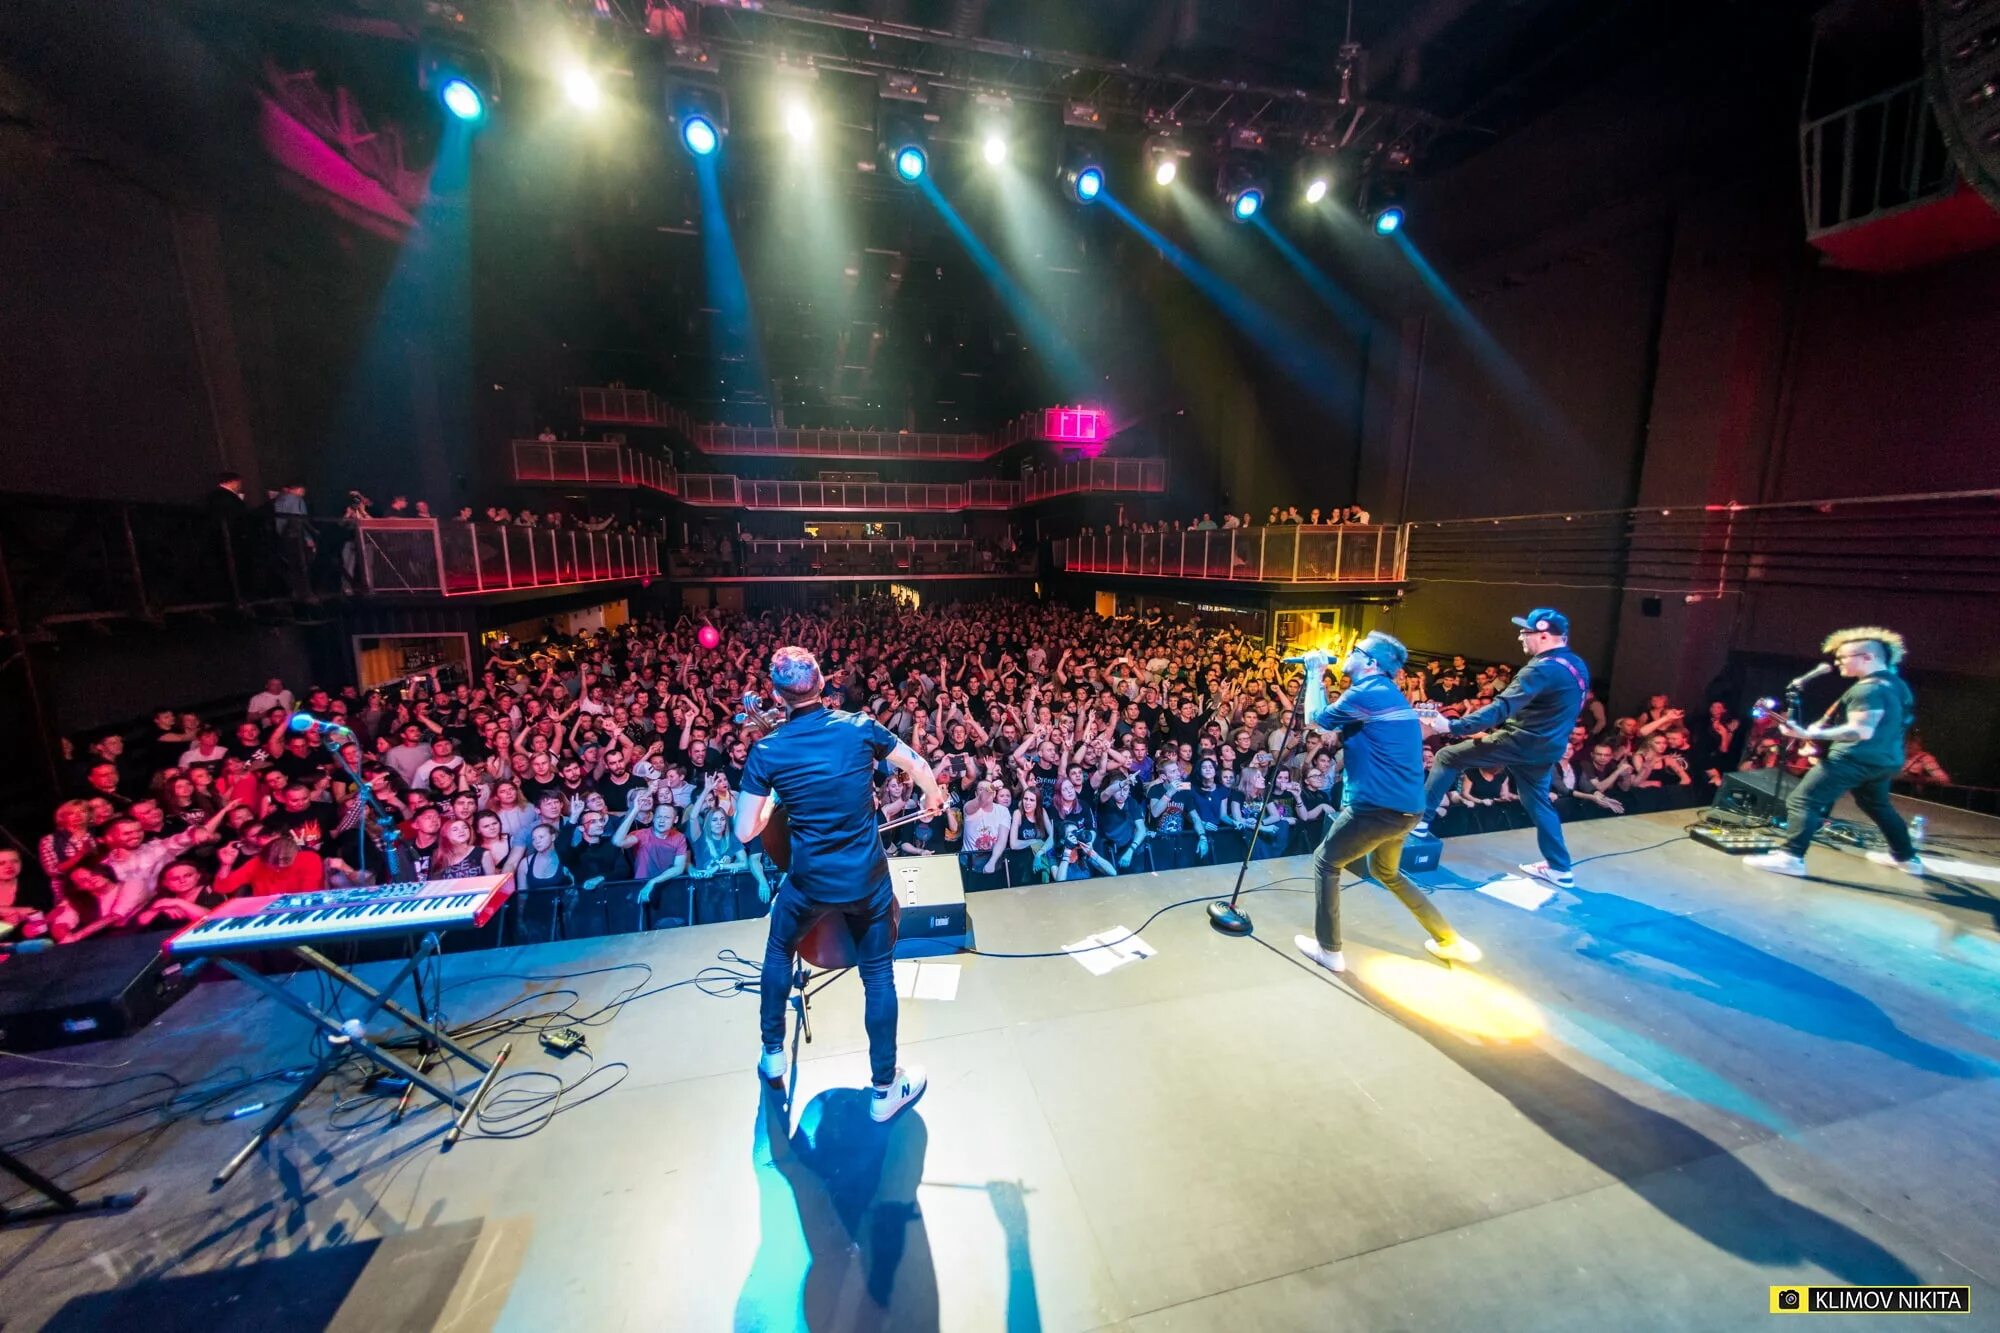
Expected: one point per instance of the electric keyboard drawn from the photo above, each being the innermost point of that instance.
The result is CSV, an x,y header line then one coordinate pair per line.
x,y
290,919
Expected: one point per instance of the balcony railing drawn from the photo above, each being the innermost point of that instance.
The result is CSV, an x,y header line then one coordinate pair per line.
x,y
1097,474
429,557
825,559
1287,553
789,443
1879,155
590,463
722,489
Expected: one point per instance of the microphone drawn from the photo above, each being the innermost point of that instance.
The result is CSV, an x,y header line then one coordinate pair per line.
x,y
750,704
330,732
1296,659
1824,668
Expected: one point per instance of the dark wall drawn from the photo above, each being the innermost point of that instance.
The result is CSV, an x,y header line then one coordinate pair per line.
x,y
94,682
101,388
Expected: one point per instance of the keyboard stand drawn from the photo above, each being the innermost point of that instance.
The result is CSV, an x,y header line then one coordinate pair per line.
x,y
379,1001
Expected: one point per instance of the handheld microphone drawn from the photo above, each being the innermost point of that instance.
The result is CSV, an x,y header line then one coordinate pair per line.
x,y
330,732
1822,669
1296,659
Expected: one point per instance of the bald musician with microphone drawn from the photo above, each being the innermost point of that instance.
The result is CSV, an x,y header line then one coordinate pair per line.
x,y
821,765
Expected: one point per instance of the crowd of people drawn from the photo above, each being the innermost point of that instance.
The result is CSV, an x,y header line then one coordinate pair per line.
x,y
1071,746
1279,516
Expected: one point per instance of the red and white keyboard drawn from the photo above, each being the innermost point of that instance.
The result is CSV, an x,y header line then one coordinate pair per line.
x,y
290,919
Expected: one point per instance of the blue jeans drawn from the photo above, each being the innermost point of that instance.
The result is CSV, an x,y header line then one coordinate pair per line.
x,y
1531,783
868,920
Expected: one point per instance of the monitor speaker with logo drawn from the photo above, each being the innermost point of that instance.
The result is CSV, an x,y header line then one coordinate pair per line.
x,y
931,892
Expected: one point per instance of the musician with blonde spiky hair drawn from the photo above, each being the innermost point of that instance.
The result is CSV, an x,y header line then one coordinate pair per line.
x,y
1865,751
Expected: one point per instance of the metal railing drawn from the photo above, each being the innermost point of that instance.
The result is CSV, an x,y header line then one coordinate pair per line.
x,y
429,557
1286,553
590,463
785,442
1096,474
1872,158
720,488
1943,541
908,557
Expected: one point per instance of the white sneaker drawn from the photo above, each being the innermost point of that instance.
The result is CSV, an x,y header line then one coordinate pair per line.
x,y
1422,830
1333,960
1779,862
1562,879
908,1086
1460,950
771,1066
1914,866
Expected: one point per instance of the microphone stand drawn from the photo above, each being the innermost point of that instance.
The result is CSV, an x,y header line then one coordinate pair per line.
x,y
1226,916
371,809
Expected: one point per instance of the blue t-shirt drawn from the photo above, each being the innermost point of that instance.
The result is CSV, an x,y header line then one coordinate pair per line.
x,y
821,763
1384,744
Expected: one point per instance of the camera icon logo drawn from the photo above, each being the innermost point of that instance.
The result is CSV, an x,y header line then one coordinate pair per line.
x,y
1788,1300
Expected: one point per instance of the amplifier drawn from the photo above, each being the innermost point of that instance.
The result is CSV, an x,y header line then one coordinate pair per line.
x,y
110,986
1753,793
931,893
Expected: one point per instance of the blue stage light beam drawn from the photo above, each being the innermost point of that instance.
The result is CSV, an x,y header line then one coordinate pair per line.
x,y
1349,311
1306,362
1486,350
735,339
462,99
1058,356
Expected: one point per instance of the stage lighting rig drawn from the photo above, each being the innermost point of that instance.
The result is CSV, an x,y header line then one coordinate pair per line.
x,y
1082,171
993,121
1164,155
1382,204
579,85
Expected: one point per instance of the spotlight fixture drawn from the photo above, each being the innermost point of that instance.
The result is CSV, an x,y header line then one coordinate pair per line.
x,y
579,85
1389,221
1164,153
699,109
1088,184
699,135
912,162
799,121
462,99
1245,204
1316,189
1240,181
994,149
461,78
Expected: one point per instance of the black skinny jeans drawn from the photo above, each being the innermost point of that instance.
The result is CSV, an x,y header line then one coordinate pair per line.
x,y
1807,807
1364,831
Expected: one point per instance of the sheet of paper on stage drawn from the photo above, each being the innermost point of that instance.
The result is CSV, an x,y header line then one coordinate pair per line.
x,y
1109,949
1520,892
926,981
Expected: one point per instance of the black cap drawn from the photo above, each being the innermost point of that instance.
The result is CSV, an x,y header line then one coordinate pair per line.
x,y
1545,620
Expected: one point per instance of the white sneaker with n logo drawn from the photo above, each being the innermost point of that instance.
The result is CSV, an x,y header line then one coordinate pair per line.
x,y
906,1087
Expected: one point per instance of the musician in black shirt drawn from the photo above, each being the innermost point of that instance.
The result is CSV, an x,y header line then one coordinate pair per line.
x,y
820,763
1865,753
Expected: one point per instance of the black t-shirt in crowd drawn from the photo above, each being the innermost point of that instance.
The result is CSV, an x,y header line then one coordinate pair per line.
x,y
1173,815
618,795
603,859
1118,824
311,828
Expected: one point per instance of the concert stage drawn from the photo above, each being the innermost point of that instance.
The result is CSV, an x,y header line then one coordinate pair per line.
x,y
1660,1095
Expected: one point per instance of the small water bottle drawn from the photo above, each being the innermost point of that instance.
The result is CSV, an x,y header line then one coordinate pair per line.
x,y
1917,829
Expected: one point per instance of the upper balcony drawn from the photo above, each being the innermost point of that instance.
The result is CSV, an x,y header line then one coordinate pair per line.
x,y
595,463
442,558
1071,426
839,559
1286,554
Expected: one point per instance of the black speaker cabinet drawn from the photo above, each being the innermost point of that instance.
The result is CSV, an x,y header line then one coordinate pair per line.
x,y
110,986
1753,794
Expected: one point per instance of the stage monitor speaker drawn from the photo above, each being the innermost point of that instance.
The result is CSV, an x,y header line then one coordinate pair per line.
x,y
1422,852
931,892
110,986
1752,794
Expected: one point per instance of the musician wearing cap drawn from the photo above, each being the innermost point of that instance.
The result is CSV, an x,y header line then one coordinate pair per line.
x,y
820,764
1382,799
1864,752
1525,731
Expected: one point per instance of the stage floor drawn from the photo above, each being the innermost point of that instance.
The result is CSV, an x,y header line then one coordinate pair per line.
x,y
1660,1095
